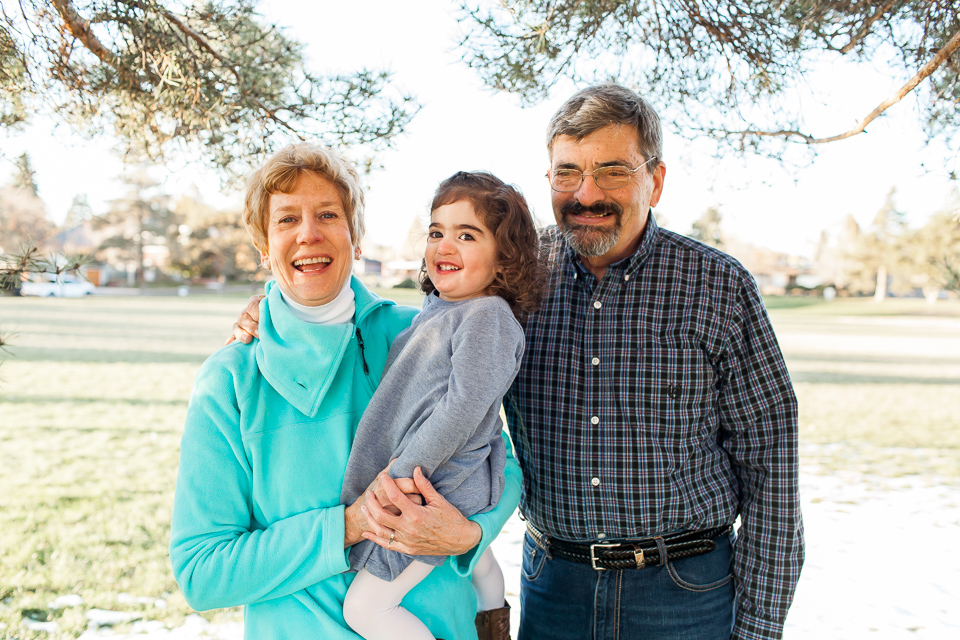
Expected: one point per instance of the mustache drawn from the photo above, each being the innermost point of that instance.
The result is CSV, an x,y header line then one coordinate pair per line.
x,y
600,208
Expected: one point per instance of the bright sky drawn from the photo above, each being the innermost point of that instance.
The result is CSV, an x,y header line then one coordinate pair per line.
x,y
464,126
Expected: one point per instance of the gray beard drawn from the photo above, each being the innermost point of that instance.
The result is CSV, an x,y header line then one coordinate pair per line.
x,y
590,241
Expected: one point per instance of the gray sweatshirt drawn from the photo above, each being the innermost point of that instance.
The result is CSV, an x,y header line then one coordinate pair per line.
x,y
437,407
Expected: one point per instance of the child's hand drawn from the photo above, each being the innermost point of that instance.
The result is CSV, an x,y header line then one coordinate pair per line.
x,y
406,485
356,516
246,328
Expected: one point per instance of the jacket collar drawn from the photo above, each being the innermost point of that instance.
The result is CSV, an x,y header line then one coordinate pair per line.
x,y
301,360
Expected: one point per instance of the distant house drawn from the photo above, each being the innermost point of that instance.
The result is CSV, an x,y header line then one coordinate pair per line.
x,y
776,273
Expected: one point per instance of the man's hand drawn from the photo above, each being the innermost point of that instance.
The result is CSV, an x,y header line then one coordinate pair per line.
x,y
247,326
435,528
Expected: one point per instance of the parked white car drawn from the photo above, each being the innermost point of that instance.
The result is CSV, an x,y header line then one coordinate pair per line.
x,y
63,286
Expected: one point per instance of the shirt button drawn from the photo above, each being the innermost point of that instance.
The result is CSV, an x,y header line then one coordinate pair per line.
x,y
574,276
626,277
597,305
595,482
595,361
601,536
594,420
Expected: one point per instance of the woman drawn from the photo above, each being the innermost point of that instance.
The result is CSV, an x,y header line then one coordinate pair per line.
x,y
257,519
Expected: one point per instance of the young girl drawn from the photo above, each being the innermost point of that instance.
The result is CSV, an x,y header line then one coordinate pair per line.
x,y
437,406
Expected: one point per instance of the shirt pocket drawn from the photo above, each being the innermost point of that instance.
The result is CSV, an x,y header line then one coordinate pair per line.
x,y
675,394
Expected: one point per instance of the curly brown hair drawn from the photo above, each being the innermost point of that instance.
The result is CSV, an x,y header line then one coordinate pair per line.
x,y
521,278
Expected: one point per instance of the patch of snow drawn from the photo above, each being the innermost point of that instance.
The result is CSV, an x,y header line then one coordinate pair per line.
x,y
71,600
106,618
39,625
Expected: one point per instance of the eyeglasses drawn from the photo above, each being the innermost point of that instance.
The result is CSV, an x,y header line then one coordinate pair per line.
x,y
606,177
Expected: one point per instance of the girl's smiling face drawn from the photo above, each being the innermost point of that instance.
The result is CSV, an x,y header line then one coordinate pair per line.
x,y
461,252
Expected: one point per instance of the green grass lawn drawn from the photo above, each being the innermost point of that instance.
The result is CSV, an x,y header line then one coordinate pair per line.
x,y
94,392
878,384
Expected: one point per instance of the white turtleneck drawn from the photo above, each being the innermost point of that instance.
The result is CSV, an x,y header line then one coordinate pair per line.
x,y
338,311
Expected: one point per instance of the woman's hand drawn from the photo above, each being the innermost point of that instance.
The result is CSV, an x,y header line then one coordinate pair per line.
x,y
247,326
435,528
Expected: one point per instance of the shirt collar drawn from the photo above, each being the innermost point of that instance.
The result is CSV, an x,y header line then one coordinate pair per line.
x,y
651,234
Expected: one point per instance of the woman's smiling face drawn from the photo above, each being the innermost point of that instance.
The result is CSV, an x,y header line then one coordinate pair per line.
x,y
309,248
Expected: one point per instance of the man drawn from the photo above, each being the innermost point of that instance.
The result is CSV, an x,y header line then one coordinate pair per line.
x,y
653,408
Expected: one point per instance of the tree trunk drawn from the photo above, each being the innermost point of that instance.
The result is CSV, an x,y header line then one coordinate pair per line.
x,y
880,294
141,275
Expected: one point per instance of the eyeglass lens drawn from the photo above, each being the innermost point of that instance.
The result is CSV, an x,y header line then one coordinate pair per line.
x,y
606,178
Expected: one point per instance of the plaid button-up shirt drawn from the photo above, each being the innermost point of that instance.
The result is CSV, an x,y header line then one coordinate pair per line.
x,y
657,400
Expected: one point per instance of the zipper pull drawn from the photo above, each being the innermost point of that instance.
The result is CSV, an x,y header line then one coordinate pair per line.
x,y
366,369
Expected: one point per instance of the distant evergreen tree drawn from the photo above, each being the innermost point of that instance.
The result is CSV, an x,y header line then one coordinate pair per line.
x,y
25,177
139,219
707,229
880,253
78,213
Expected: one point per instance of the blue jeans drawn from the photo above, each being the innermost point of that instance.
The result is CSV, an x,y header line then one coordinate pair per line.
x,y
690,599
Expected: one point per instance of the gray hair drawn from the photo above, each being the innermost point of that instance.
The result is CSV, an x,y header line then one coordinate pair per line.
x,y
596,107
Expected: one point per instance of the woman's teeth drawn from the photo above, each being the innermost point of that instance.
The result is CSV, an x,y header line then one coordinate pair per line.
x,y
304,261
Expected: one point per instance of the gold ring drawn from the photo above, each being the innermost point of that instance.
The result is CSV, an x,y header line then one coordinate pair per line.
x,y
392,535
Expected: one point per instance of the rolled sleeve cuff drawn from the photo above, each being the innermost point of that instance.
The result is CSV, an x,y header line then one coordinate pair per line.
x,y
749,627
333,555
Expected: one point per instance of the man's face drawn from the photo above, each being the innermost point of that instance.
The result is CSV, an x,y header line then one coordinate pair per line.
x,y
598,222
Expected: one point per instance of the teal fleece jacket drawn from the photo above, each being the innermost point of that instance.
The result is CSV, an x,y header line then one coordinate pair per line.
x,y
257,519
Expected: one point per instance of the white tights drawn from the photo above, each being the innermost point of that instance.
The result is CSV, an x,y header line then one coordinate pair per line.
x,y
372,606
487,581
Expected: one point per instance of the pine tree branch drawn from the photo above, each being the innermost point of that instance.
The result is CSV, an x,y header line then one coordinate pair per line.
x,y
204,44
80,29
929,68
200,40
865,27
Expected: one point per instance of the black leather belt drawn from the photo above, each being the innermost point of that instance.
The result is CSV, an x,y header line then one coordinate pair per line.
x,y
635,554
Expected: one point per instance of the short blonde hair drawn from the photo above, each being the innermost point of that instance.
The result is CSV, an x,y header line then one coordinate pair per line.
x,y
279,174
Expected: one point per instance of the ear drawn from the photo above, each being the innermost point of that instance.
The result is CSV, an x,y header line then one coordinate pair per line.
x,y
356,253
659,175
264,260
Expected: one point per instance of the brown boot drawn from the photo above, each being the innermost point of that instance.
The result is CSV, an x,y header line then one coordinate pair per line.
x,y
494,624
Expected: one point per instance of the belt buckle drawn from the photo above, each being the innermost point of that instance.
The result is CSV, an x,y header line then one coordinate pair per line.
x,y
638,557
593,555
